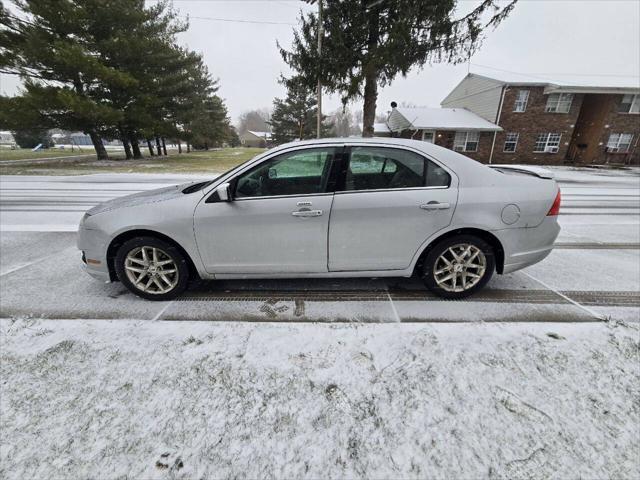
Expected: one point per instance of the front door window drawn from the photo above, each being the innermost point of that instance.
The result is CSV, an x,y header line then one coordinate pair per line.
x,y
302,172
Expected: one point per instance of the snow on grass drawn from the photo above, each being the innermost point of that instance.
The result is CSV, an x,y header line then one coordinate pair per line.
x,y
107,399
216,161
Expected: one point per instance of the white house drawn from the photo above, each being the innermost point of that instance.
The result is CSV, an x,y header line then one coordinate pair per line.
x,y
252,138
454,128
6,138
380,129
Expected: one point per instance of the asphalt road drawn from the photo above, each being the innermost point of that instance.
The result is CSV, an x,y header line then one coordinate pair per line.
x,y
594,273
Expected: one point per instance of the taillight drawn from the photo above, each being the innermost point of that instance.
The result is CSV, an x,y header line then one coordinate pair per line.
x,y
555,208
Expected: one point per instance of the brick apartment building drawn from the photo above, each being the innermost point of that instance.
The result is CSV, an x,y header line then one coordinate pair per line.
x,y
535,121
545,122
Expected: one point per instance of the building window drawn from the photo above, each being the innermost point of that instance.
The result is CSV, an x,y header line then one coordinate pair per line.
x,y
619,142
466,141
559,102
629,104
547,143
428,136
521,101
511,142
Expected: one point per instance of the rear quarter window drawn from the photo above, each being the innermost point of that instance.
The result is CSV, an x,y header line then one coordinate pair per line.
x,y
437,176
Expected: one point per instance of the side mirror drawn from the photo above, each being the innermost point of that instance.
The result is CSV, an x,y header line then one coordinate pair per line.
x,y
224,193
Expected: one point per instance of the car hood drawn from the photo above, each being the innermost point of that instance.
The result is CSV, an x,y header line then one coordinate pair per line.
x,y
149,196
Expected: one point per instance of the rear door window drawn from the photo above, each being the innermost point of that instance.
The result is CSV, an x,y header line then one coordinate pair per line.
x,y
380,168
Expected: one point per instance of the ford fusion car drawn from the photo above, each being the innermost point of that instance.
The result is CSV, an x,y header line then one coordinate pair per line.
x,y
378,207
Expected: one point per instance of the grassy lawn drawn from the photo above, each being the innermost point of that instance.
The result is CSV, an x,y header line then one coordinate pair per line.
x,y
212,161
26,153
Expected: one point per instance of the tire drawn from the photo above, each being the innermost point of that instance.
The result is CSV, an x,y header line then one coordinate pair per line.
x,y
163,279
468,280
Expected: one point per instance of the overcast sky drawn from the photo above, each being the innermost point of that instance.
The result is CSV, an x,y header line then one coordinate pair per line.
x,y
541,37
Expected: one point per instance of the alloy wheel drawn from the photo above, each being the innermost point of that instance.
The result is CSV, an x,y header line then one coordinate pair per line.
x,y
151,270
460,267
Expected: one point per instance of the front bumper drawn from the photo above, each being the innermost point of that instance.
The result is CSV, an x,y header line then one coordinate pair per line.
x,y
526,246
93,245
97,273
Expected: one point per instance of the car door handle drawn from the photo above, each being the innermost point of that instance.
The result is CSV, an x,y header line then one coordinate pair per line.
x,y
307,213
435,206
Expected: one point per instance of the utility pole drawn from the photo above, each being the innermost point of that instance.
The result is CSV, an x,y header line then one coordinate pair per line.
x,y
319,123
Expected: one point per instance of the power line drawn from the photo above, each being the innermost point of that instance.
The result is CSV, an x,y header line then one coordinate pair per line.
x,y
568,74
240,1
287,3
235,20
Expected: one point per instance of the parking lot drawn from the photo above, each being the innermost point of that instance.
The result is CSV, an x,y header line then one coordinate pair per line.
x,y
593,274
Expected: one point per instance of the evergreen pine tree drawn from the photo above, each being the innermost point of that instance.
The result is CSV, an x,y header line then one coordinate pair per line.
x,y
367,43
294,117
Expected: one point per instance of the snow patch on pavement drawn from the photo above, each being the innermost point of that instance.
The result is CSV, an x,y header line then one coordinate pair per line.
x,y
201,400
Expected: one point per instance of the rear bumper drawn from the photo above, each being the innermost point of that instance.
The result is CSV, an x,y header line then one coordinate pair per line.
x,y
526,246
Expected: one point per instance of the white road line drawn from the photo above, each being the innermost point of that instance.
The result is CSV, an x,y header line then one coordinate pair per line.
x,y
570,300
41,228
393,307
33,262
162,310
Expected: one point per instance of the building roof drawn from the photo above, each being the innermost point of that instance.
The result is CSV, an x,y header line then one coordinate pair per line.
x,y
402,118
263,135
381,128
377,127
604,83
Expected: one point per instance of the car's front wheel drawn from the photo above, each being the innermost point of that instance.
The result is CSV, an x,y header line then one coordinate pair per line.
x,y
151,268
458,266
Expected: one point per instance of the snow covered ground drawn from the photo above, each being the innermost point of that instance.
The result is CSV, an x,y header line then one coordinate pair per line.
x,y
173,400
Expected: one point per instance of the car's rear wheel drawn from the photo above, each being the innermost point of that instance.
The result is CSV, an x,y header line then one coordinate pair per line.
x,y
151,268
458,266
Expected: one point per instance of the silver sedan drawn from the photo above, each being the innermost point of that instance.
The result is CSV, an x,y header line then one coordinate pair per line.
x,y
350,207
